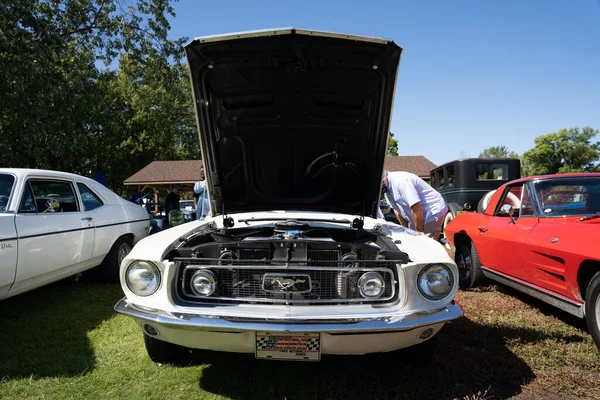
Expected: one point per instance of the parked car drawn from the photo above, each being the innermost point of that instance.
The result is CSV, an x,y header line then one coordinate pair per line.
x,y
467,184
538,235
292,263
54,225
188,209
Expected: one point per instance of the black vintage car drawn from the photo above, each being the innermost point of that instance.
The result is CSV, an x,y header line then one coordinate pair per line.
x,y
464,183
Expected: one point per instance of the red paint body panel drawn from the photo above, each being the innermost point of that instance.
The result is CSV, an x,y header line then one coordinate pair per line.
x,y
577,241
546,252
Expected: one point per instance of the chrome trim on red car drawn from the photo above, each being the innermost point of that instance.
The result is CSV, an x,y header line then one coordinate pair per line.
x,y
544,295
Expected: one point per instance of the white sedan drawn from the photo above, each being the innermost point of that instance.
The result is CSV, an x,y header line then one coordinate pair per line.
x,y
54,225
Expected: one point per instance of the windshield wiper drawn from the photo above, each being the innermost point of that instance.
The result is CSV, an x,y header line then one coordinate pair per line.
x,y
597,215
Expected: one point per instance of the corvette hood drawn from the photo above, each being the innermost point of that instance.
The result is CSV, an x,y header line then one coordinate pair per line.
x,y
293,120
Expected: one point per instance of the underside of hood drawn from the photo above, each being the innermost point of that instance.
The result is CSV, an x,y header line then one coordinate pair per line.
x,y
293,120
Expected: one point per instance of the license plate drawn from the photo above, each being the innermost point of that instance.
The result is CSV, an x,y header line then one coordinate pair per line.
x,y
461,212
288,346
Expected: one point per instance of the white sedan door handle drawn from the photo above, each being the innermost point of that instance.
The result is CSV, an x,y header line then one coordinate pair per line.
x,y
87,219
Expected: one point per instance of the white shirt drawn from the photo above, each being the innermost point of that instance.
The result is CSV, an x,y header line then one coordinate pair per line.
x,y
406,189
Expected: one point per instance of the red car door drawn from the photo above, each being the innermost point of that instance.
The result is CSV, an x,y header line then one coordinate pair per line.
x,y
503,239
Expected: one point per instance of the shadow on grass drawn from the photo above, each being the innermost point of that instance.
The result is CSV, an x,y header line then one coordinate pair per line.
x,y
44,332
545,308
470,358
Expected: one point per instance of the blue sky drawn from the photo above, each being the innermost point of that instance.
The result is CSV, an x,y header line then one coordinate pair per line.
x,y
473,74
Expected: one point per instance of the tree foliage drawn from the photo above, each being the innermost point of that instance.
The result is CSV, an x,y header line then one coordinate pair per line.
x,y
564,151
64,108
498,152
392,149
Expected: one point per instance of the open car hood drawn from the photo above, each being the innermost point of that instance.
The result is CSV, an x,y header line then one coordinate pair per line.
x,y
293,120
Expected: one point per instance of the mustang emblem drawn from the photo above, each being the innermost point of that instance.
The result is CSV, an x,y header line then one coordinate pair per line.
x,y
284,283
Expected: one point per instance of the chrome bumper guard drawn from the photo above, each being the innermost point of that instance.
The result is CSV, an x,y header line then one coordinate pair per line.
x,y
211,323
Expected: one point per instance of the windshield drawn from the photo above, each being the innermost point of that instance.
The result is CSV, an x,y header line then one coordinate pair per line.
x,y
6,185
569,196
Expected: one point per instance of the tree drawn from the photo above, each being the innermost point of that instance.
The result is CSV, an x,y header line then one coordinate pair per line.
x,y
498,152
392,149
156,114
61,110
564,151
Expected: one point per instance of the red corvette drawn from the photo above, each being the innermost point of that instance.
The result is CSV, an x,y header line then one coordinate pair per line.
x,y
539,235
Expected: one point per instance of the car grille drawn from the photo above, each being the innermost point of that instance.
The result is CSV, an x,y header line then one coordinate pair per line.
x,y
322,280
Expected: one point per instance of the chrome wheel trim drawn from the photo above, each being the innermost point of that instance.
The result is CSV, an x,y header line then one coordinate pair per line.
x,y
597,311
447,220
124,249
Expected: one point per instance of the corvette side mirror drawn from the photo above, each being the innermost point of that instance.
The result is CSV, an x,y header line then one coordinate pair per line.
x,y
508,210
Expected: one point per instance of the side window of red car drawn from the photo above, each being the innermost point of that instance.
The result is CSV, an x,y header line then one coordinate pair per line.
x,y
527,209
511,196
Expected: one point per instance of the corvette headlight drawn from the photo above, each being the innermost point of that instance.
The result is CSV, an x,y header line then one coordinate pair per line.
x,y
435,281
371,285
142,278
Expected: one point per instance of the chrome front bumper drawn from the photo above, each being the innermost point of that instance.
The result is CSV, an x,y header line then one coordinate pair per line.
x,y
337,336
198,322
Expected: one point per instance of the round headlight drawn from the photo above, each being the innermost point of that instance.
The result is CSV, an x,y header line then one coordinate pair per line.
x,y
142,278
204,283
371,285
435,281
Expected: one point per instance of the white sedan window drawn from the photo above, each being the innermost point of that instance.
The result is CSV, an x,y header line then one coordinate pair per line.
x,y
6,184
53,196
27,201
90,199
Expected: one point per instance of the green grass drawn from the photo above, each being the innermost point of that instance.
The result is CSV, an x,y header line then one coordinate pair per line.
x,y
65,342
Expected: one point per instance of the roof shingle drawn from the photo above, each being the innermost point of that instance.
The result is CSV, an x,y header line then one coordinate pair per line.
x,y
167,172
418,165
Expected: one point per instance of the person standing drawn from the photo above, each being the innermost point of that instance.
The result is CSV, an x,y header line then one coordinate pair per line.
x,y
201,196
416,204
172,202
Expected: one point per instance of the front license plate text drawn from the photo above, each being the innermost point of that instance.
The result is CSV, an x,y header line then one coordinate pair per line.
x,y
288,346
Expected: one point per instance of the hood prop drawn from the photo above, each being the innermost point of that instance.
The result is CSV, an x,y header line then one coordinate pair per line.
x,y
358,223
228,222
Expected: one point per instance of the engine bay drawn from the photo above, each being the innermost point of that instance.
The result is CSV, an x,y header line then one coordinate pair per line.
x,y
289,241
291,262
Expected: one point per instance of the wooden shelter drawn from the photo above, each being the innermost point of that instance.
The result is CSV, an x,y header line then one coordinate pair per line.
x,y
162,175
